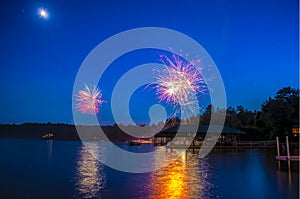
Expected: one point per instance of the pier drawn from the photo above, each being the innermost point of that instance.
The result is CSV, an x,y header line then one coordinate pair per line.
x,y
285,157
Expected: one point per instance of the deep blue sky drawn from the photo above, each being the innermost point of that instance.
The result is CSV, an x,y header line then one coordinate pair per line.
x,y
253,42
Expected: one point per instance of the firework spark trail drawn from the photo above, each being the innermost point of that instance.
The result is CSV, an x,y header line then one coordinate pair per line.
x,y
89,100
179,82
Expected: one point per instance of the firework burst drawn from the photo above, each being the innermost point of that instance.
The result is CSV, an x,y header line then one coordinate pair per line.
x,y
179,82
89,100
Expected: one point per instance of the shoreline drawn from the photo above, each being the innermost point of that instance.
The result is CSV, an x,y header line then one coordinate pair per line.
x,y
216,147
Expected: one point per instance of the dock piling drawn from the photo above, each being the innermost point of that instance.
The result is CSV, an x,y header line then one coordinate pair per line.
x,y
288,152
286,157
278,151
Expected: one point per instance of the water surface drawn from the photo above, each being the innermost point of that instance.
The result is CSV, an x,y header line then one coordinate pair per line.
x,y
66,169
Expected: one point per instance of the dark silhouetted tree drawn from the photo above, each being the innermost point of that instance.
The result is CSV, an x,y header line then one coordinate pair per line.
x,y
281,113
205,118
232,119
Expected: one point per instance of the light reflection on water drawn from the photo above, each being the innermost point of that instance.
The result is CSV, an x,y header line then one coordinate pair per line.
x,y
222,174
187,177
215,176
62,169
183,179
90,177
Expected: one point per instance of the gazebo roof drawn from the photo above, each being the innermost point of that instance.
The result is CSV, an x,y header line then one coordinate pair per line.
x,y
201,129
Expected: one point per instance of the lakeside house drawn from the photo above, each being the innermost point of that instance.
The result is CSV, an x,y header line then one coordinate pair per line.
x,y
228,136
296,131
48,136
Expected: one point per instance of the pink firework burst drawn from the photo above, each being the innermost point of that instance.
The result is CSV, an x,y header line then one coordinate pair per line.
x,y
179,82
89,100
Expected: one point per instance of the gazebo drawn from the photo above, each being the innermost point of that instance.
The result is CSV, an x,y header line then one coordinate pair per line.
x,y
187,132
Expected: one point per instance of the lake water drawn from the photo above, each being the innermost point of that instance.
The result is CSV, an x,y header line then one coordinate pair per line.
x,y
66,169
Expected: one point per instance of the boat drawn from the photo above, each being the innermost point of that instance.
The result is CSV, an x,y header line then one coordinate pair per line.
x,y
146,141
133,143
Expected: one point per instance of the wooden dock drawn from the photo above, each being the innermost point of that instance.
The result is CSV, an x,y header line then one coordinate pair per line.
x,y
237,145
284,157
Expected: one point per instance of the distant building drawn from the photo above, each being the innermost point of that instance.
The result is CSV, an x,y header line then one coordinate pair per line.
x,y
48,136
295,131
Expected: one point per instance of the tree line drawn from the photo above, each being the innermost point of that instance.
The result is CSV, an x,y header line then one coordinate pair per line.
x,y
277,117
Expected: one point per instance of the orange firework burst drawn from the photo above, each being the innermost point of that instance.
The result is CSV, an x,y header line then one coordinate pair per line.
x,y
89,100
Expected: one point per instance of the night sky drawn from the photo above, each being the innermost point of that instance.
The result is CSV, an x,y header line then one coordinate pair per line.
x,y
254,44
